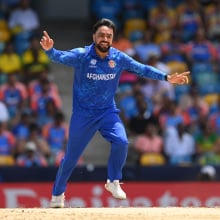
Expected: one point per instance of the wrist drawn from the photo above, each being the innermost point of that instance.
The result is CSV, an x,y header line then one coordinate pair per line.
x,y
167,77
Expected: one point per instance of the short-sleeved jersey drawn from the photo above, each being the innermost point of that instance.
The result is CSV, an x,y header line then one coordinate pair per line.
x,y
96,79
7,143
56,136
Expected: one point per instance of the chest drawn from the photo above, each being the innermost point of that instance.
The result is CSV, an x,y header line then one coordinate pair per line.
x,y
100,66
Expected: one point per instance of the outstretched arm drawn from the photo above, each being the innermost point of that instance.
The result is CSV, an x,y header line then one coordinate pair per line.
x,y
46,42
143,70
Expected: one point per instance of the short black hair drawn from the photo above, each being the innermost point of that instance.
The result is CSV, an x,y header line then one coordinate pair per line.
x,y
104,22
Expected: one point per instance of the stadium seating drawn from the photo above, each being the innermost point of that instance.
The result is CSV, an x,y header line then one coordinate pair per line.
x,y
149,159
135,26
6,160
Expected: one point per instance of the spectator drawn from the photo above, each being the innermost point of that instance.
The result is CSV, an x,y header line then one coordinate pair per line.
x,y
7,146
50,112
124,44
173,53
179,145
212,157
170,115
36,137
21,130
188,19
56,134
10,62
39,102
212,20
217,46
5,34
23,18
200,49
189,100
214,116
197,107
30,157
35,86
126,100
132,9
149,145
208,145
138,123
153,89
215,106
110,9
162,19
146,47
34,60
14,94
7,6
24,23
4,116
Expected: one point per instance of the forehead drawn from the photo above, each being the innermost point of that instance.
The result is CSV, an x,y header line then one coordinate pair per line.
x,y
105,30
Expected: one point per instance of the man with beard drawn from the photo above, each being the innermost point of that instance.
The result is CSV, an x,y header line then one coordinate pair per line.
x,y
97,71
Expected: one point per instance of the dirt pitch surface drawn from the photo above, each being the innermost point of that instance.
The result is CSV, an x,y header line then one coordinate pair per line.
x,y
173,213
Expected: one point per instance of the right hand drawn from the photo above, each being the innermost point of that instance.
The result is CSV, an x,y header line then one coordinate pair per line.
x,y
46,42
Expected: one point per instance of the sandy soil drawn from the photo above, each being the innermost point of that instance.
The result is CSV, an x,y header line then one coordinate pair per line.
x,y
173,213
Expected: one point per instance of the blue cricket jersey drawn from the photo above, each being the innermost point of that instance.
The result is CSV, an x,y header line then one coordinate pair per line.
x,y
96,79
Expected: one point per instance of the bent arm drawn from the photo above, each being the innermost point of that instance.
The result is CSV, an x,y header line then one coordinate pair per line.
x,y
65,57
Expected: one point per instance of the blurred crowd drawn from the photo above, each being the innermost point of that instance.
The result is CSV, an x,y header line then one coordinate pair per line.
x,y
169,124
166,124
33,130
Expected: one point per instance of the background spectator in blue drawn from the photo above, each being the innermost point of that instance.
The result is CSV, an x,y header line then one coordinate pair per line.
x,y
31,157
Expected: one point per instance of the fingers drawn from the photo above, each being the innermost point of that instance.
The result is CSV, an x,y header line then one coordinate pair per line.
x,y
184,77
187,79
46,42
180,78
45,37
185,73
46,34
182,74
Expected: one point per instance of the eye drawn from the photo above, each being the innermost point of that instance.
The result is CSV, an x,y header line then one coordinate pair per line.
x,y
109,36
102,35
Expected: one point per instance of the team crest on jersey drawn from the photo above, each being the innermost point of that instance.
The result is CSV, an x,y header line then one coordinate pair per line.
x,y
111,63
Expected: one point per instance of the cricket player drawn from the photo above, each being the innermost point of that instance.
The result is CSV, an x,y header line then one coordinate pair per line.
x,y
97,69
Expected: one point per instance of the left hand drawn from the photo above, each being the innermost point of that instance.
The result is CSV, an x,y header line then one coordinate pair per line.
x,y
178,78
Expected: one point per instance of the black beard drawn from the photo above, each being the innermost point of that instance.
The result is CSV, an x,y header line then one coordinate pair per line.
x,y
101,49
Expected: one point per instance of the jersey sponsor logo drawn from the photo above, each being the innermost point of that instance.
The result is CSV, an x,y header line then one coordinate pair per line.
x,y
111,63
94,76
93,63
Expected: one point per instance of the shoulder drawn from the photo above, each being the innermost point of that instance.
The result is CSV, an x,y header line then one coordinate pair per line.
x,y
114,50
115,53
79,50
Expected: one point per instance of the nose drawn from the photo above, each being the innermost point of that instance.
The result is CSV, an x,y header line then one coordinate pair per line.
x,y
106,38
